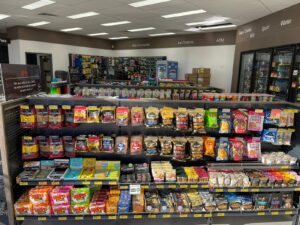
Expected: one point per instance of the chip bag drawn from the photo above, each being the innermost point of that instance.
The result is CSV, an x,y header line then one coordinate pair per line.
x,y
209,146
225,122
211,117
240,121
222,149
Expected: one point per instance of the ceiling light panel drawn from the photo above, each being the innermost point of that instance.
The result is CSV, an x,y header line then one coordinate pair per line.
x,y
147,2
118,38
187,13
41,23
142,29
38,4
208,22
82,15
115,23
4,16
192,29
97,34
161,34
218,27
71,29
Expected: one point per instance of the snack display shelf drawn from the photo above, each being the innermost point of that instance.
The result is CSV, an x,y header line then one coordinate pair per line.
x,y
254,189
204,214
249,165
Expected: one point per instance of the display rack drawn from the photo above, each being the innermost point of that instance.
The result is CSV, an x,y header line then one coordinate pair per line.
x,y
10,133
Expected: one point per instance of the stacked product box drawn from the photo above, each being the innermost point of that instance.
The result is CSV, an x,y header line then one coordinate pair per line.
x,y
200,77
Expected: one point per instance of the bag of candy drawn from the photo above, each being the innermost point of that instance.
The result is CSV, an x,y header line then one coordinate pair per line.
x,y
269,135
93,114
81,144
56,147
167,116
44,147
240,121
196,147
179,148
211,116
93,143
122,116
108,114
237,149
27,116
108,144
253,148
136,145
80,114
166,146
69,146
152,117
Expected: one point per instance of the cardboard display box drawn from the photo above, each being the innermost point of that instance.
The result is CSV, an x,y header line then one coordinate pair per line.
x,y
201,70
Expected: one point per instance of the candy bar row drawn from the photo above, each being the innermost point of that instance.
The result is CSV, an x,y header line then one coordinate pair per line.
x,y
69,200
198,120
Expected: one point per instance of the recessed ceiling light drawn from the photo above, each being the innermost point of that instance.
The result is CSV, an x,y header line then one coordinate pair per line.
x,y
192,29
38,4
188,13
71,29
218,27
115,23
141,29
161,34
38,24
118,38
82,15
97,34
147,2
208,22
4,16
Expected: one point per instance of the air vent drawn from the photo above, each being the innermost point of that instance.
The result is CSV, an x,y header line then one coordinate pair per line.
x,y
47,14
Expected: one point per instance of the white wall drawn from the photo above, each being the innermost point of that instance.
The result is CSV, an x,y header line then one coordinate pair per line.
x,y
60,53
218,58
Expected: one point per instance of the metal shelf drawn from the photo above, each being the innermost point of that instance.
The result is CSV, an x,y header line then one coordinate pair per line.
x,y
202,214
249,165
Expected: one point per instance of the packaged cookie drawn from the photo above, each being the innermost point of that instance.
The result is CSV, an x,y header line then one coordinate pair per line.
x,y
182,119
27,116
221,202
93,114
80,114
29,148
166,202
41,116
137,116
234,200
240,121
222,149
108,144
152,117
167,116
166,146
209,146
55,117
269,135
225,121
196,117
275,201
196,148
93,143
196,201
287,200
122,116
247,202
179,148
151,145
108,114
262,201
136,145
121,145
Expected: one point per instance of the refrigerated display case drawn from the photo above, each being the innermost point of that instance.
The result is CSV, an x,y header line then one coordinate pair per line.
x,y
280,77
295,87
262,70
246,71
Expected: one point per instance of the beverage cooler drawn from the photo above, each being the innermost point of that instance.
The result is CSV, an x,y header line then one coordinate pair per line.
x,y
281,72
295,87
262,67
246,71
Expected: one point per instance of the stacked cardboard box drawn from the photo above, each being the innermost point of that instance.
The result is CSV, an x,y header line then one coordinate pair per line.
x,y
200,77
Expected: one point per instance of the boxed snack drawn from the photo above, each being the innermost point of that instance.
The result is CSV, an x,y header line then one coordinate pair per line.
x,y
98,202
166,202
60,195
27,117
152,203
124,202
23,206
80,209
181,202
196,201
41,210
40,195
80,196
138,202
61,209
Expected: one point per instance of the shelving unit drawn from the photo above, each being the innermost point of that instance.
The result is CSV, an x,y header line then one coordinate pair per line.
x,y
11,131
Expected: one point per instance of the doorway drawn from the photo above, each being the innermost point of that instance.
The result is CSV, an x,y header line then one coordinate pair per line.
x,y
44,61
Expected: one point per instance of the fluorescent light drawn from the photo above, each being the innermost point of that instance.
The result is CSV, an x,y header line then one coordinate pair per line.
x,y
192,29
38,4
218,27
147,2
141,29
207,22
82,15
115,23
118,38
161,34
97,34
184,13
38,24
71,29
4,16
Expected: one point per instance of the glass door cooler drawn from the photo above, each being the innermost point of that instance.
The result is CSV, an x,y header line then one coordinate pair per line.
x,y
280,78
295,87
262,70
246,71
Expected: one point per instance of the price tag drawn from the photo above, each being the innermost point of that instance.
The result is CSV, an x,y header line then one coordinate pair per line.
x,y
274,213
244,190
166,216
79,218
297,189
137,216
255,190
66,107
123,217
284,167
39,106
197,215
96,217
160,186
288,213
261,213
53,107
98,182
204,186
207,215
24,106
183,186
42,218
23,183
232,190
20,218
220,214
219,190
295,72
194,186
55,183
172,186
145,186
152,216
86,182
112,217
42,183
134,189
183,215
112,183
62,218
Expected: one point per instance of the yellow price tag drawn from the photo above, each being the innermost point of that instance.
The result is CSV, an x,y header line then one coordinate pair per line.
x,y
197,215
183,215
39,106
55,183
284,167
261,213
145,186
79,218
96,217
232,190
42,183
23,183
98,182
220,214
53,107
66,107
123,217
255,190
62,218
166,216
244,190
172,186
42,218
112,183
112,217
183,186
160,186
137,216
288,213
24,106
20,218
207,215
86,182
297,189
152,216
274,213
219,190
204,186
194,186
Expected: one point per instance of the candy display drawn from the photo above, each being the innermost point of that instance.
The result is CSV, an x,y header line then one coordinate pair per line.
x,y
278,158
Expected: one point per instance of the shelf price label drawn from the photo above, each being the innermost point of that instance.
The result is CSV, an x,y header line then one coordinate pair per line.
x,y
42,218
274,213
98,182
183,215
231,190
166,216
220,214
86,182
152,216
96,217
172,186
112,217
138,216
261,213
194,186
123,217
20,218
42,183
134,189
288,213
79,218
62,218
23,183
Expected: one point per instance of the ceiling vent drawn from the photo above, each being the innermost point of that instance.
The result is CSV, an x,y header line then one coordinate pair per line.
x,y
47,14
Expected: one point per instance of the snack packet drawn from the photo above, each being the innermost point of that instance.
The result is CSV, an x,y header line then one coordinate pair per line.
x,y
256,120
93,114
55,117
44,147
225,121
240,121
41,116
81,143
108,114
137,116
222,149
68,114
27,116
80,114
196,147
122,116
166,146
69,146
108,144
152,117
196,117
237,149
121,146
211,116
56,147
93,143
269,135
167,115
179,149
209,146
151,145
182,119
29,148
253,148
136,145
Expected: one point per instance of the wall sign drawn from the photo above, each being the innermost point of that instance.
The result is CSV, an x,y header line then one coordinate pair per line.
x,y
220,40
245,31
20,80
252,35
265,28
185,42
285,22
141,45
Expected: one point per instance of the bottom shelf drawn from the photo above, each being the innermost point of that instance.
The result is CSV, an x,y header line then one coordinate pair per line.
x,y
268,212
